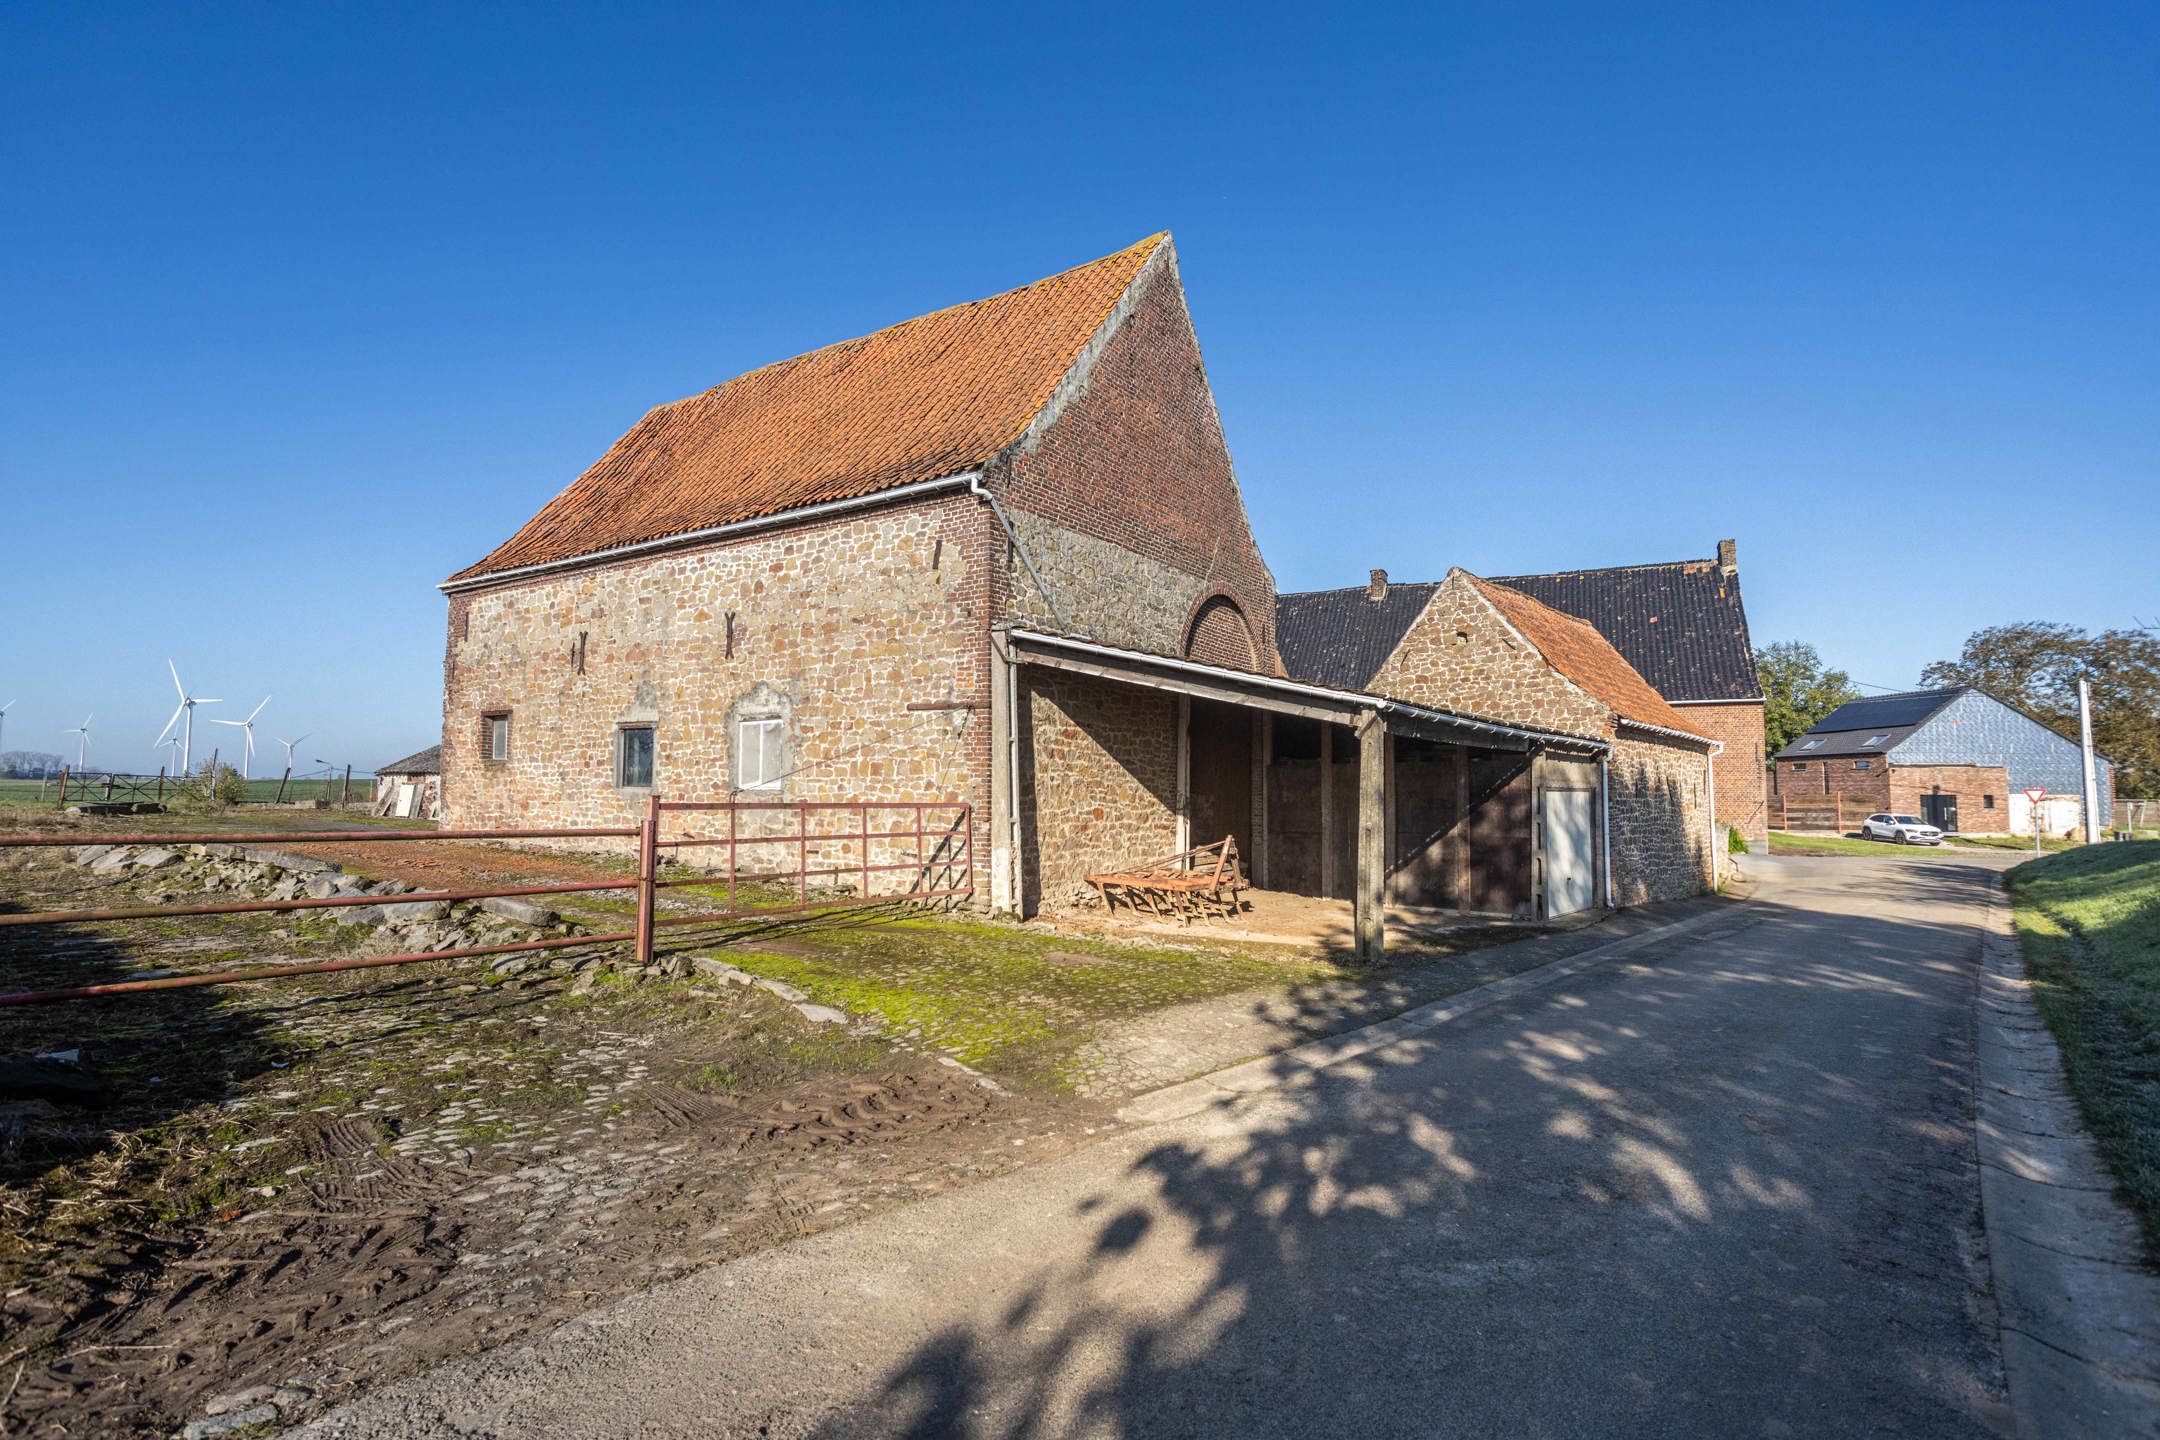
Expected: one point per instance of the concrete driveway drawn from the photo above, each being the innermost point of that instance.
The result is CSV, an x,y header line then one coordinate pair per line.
x,y
1721,1188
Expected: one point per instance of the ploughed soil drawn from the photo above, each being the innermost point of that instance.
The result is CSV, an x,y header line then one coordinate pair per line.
x,y
304,1187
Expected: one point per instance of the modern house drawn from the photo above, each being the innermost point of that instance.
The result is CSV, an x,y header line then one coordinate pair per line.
x,y
1684,628
1957,757
1478,646
995,554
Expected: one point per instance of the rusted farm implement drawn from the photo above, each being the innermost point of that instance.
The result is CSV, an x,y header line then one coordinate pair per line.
x,y
933,858
1197,883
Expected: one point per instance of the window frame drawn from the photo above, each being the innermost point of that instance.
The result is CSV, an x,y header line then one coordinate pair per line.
x,y
766,727
623,732
489,720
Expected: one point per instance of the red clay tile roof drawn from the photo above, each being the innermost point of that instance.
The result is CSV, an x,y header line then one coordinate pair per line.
x,y
1576,649
930,397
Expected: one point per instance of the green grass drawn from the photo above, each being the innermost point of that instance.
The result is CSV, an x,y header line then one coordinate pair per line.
x,y
1017,1003
1783,842
2089,921
2048,843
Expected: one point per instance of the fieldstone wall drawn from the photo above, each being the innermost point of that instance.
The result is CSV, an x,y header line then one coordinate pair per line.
x,y
1098,782
1459,654
849,621
1661,846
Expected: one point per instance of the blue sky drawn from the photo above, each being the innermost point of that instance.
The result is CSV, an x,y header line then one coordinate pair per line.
x,y
306,307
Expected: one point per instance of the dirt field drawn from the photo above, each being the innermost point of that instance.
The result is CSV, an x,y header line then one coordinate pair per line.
x,y
308,1186
281,1193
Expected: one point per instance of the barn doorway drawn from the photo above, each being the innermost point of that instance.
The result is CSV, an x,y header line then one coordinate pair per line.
x,y
1219,740
1570,851
1940,811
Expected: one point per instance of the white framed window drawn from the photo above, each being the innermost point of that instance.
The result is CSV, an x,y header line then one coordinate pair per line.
x,y
760,752
1811,744
1876,739
495,737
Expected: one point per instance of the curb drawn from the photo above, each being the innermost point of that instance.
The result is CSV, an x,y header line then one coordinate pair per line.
x,y
1272,1071
2080,1312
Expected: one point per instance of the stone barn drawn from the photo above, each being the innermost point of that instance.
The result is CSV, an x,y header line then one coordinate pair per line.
x,y
411,787
995,554
1639,805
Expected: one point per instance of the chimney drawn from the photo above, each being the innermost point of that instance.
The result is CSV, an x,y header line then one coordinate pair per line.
x,y
1728,557
1376,587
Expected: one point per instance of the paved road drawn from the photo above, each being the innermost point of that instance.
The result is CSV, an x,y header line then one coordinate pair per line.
x,y
1724,1188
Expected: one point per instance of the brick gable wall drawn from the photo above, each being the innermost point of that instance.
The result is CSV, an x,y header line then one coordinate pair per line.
x,y
1742,783
1127,501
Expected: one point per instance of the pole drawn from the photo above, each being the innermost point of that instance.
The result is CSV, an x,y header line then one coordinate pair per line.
x,y
345,790
2092,775
648,873
282,779
63,787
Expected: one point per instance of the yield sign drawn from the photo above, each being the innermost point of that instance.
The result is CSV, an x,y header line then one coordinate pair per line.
x,y
2035,794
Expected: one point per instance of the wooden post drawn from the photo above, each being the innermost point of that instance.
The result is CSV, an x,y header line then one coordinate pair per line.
x,y
1458,838
1327,809
864,811
63,787
648,873
282,779
802,852
345,790
1371,902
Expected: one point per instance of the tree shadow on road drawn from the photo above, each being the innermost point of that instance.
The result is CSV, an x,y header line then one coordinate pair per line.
x,y
1725,1190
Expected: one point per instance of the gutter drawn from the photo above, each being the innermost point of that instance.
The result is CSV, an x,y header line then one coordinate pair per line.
x,y
1354,698
773,521
1717,747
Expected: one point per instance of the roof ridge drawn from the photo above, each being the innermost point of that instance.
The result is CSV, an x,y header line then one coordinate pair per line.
x,y
1350,589
1607,569
867,336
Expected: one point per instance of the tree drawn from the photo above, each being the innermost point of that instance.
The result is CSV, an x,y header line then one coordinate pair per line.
x,y
2036,666
1797,690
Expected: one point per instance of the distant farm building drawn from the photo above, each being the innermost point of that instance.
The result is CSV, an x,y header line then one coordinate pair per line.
x,y
1958,758
411,787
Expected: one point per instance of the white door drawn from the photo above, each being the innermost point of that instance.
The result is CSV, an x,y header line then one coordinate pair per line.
x,y
408,799
1570,854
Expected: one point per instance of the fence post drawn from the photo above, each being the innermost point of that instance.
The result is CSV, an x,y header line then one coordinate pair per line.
x,y
865,811
732,812
345,791
802,852
967,824
282,779
63,787
648,872
921,872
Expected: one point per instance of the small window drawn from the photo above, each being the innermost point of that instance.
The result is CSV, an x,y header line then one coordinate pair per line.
x,y
1799,764
1876,739
1809,744
1862,764
634,757
495,736
760,751
1987,802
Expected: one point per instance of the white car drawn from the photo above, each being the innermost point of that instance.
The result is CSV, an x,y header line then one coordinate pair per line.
x,y
1902,829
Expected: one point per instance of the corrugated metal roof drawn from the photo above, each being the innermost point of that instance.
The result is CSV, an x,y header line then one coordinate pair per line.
x,y
1681,624
934,396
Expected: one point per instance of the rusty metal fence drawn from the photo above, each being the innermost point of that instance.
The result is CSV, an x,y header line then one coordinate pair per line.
x,y
898,862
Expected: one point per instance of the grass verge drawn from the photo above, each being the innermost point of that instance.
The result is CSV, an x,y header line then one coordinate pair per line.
x,y
1786,842
2089,922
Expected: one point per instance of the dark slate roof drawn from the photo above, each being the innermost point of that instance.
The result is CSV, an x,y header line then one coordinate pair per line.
x,y
421,762
1680,624
1341,637
1885,719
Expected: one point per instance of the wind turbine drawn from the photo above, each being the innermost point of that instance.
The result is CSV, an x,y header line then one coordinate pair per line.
x,y
184,717
247,728
289,744
3,717
82,740
173,745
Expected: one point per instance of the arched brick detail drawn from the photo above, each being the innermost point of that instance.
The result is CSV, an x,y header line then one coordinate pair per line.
x,y
1219,634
